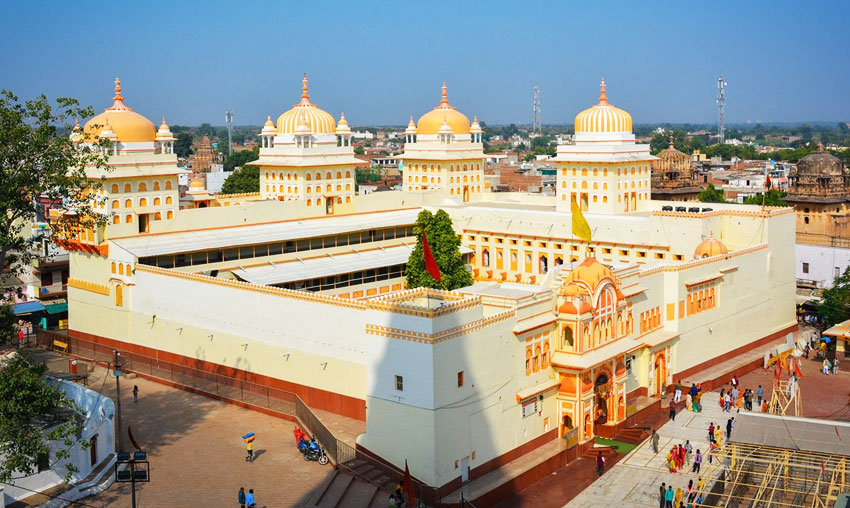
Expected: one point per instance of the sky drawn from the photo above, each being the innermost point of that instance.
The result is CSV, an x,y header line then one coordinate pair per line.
x,y
382,61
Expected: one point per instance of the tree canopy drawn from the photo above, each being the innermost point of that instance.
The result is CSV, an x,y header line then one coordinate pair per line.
x,y
39,162
240,158
834,304
445,246
183,144
243,180
711,194
772,198
33,413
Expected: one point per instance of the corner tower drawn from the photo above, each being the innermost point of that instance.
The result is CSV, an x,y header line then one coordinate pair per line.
x,y
604,170
307,156
443,151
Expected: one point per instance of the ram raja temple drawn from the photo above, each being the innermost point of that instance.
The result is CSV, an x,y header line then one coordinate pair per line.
x,y
301,287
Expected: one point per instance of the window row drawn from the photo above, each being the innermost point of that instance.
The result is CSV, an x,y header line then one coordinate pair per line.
x,y
438,167
328,175
143,201
121,268
275,248
650,320
130,218
141,186
319,200
700,300
641,170
537,353
347,279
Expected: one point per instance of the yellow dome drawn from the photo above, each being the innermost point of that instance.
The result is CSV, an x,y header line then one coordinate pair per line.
x,y
430,122
196,184
603,117
128,126
320,122
710,247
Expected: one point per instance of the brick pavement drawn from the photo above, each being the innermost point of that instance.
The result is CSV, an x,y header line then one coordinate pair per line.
x,y
197,456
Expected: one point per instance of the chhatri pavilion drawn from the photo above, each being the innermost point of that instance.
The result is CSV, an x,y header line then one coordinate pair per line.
x,y
302,286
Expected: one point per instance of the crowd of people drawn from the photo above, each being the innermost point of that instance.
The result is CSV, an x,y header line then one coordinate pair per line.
x,y
689,497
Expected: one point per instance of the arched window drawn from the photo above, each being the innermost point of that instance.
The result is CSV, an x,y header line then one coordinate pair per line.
x,y
169,200
309,178
119,296
169,215
143,186
115,188
485,257
348,186
116,204
120,269
348,199
328,175
128,187
113,267
339,174
168,185
348,174
318,175
116,219
129,218
157,201
128,203
156,185
143,202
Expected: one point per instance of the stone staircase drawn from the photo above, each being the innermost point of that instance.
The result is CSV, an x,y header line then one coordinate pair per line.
x,y
370,488
634,435
607,452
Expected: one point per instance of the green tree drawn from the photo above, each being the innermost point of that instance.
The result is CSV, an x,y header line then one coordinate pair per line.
x,y
243,180
39,161
183,145
711,195
240,158
772,198
834,303
445,246
359,150
33,414
661,140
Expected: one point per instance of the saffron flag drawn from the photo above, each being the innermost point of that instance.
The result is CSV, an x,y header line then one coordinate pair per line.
x,y
767,181
581,228
407,485
797,371
430,263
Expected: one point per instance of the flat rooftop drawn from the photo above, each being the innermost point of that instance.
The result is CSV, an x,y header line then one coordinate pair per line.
x,y
792,432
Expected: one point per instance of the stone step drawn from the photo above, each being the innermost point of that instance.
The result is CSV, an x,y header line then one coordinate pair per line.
x,y
335,492
359,494
321,488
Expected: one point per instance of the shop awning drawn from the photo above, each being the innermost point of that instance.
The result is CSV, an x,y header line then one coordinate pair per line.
x,y
28,308
56,308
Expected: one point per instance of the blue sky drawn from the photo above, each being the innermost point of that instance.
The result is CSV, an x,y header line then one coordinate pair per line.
x,y
382,61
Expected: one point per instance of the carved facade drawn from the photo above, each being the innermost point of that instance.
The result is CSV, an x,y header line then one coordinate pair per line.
x,y
672,176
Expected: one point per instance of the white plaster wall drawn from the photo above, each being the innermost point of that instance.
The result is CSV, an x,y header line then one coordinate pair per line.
x,y
99,412
822,261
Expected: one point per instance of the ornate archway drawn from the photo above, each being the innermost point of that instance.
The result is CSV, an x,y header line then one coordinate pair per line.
x,y
602,392
660,373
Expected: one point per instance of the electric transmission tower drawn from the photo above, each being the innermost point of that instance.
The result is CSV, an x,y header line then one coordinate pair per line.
x,y
721,105
535,127
228,119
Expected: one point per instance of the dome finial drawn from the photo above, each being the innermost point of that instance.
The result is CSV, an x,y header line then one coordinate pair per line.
x,y
445,95
118,96
603,99
304,93
671,140
819,147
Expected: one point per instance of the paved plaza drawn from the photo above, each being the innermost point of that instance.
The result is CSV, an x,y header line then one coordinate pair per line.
x,y
197,456
634,480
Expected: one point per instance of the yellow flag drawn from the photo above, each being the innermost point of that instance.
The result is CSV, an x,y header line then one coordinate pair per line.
x,y
581,228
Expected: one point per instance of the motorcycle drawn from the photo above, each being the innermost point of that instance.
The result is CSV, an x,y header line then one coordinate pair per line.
x,y
317,454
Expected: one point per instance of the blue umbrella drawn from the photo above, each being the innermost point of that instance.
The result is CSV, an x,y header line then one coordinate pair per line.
x,y
825,339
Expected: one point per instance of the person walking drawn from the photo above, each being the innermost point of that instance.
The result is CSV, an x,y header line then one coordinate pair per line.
x,y
662,492
727,402
668,497
653,441
689,450
694,390
826,366
677,396
240,497
697,462
672,412
135,393
735,394
760,394
711,431
729,424
249,499
677,498
249,447
600,464
734,381
835,365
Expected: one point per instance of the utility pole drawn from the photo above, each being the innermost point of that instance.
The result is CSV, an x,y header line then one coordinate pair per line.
x,y
228,119
721,106
117,366
535,126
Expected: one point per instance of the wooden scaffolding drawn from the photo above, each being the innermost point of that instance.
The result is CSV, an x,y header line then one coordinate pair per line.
x,y
784,397
747,475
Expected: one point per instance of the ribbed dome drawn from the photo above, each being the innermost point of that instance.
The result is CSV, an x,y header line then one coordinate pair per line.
x,y
319,121
671,159
710,247
603,117
128,126
430,122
